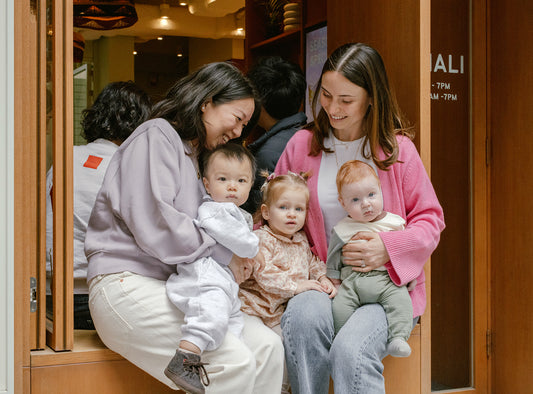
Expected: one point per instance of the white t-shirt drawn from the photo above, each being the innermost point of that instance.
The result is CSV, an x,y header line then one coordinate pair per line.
x,y
330,163
89,167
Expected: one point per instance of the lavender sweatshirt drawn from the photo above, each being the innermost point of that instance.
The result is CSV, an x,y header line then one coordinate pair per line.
x,y
407,192
142,220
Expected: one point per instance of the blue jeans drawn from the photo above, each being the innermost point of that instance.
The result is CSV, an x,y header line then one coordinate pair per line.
x,y
353,356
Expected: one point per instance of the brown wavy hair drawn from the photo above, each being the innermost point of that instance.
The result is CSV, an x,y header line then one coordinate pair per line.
x,y
363,66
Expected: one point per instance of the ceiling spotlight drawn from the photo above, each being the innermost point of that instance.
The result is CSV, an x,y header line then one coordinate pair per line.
x,y
134,52
183,3
180,54
160,38
163,10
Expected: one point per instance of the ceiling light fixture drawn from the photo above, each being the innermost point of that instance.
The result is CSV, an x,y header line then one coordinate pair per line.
x,y
238,20
163,10
163,13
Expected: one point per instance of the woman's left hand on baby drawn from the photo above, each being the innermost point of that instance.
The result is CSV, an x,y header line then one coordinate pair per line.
x,y
328,286
365,256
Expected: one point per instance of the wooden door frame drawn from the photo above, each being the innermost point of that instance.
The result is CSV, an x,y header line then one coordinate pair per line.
x,y
26,216
60,331
481,196
29,210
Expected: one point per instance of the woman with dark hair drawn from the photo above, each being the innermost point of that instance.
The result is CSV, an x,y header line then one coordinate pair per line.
x,y
117,111
142,226
358,119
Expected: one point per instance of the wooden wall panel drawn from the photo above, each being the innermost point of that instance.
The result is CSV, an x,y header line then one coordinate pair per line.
x,y
393,28
480,211
25,188
315,12
510,122
105,377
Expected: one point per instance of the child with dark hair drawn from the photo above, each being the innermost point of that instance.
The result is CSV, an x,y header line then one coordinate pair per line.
x,y
280,87
117,111
205,290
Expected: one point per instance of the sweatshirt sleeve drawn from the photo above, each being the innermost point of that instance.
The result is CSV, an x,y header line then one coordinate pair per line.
x,y
155,170
334,263
227,225
411,248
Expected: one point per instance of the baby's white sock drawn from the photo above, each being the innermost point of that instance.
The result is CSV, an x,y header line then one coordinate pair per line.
x,y
398,347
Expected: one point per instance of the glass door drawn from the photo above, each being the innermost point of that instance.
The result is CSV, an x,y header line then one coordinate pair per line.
x,y
55,60
459,313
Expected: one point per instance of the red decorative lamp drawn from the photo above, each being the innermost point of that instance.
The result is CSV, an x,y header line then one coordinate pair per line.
x,y
104,14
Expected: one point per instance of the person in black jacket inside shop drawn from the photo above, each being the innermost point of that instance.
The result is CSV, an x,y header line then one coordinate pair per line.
x,y
280,86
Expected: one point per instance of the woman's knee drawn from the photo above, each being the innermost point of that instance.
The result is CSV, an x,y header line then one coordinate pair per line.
x,y
311,308
363,338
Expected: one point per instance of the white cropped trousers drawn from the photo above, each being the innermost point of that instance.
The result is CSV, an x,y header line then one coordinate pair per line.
x,y
209,297
135,318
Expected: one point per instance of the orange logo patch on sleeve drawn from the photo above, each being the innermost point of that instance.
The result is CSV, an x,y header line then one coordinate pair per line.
x,y
93,162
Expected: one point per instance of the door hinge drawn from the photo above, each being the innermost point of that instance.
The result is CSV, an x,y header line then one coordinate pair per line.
x,y
489,343
33,294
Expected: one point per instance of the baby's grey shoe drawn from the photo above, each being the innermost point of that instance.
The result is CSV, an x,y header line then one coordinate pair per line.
x,y
398,347
187,371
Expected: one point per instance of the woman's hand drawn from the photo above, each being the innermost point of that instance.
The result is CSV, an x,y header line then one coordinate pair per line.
x,y
328,286
241,268
336,282
365,252
308,285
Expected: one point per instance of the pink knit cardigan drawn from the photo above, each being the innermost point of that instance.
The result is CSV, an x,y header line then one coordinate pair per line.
x,y
407,191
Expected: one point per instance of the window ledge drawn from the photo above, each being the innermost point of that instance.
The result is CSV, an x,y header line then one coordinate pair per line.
x,y
87,348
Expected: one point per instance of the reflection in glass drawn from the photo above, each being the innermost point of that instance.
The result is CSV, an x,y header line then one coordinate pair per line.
x,y
49,154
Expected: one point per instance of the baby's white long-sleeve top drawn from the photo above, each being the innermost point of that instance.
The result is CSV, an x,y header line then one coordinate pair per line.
x,y
229,225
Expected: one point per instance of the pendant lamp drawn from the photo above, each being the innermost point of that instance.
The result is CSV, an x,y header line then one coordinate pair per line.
x,y
104,14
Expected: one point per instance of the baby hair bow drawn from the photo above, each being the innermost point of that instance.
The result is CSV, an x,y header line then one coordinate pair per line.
x,y
268,179
295,174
